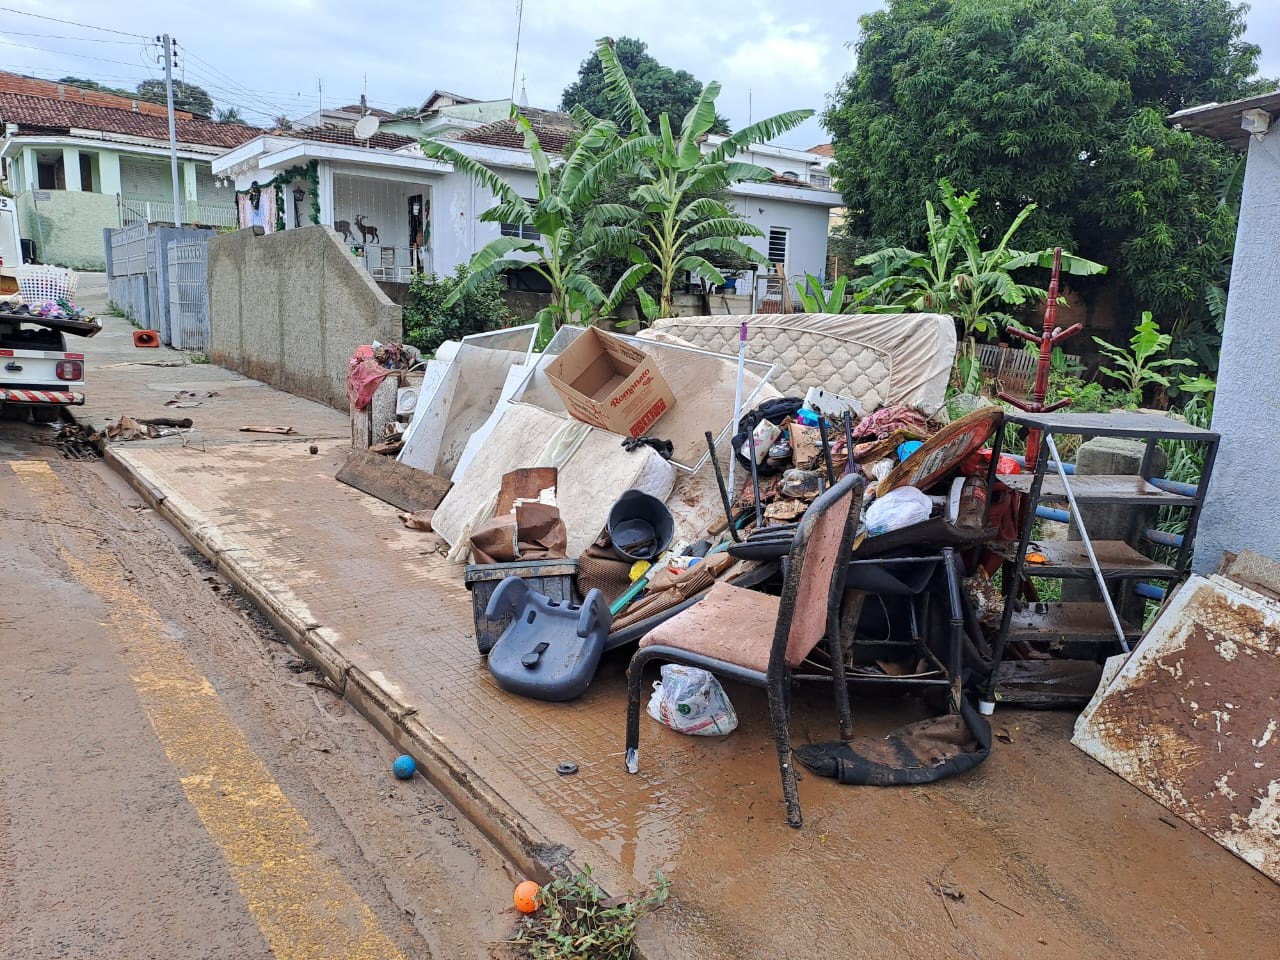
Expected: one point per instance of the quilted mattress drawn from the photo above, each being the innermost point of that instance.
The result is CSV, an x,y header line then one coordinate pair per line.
x,y
875,358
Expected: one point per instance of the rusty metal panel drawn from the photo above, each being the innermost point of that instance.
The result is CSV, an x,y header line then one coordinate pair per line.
x,y
1193,718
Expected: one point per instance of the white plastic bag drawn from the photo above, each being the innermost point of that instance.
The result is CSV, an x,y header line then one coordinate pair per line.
x,y
897,509
690,700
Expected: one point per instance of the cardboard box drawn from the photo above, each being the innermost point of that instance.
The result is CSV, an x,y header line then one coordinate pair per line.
x,y
608,383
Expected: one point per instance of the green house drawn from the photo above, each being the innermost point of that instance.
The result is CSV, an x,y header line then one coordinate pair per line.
x,y
78,161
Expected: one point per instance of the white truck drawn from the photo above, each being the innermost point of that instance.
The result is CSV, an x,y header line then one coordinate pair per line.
x,y
37,373
38,376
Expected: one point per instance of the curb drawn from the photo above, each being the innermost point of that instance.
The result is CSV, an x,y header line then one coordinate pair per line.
x,y
519,841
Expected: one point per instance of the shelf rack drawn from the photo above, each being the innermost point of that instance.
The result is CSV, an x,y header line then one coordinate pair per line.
x,y
1118,560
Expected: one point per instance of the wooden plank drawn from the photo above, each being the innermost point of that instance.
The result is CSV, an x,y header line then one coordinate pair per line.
x,y
393,482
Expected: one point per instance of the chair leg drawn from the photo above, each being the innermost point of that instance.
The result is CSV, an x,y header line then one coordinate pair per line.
x,y
635,684
841,688
835,646
778,714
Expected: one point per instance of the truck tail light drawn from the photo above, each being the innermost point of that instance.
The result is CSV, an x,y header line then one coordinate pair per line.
x,y
70,369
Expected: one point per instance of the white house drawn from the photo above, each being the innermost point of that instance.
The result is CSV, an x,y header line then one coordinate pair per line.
x,y
382,181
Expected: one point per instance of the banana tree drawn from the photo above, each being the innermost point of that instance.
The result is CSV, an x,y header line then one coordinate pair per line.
x,y
681,227
815,298
956,275
572,230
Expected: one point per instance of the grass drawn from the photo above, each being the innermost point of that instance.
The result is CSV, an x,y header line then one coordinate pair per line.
x,y
197,357
575,922
115,310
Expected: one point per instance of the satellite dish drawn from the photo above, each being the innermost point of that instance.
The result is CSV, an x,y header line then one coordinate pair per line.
x,y
366,127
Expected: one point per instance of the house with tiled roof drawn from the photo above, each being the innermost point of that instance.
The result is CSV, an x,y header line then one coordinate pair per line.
x,y
425,215
78,161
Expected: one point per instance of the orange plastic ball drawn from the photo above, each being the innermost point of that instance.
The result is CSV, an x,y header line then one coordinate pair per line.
x,y
527,896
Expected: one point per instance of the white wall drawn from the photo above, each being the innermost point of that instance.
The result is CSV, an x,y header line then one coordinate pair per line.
x,y
807,247
456,230
383,203
1240,511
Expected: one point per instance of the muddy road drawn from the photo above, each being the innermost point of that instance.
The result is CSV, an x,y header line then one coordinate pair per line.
x,y
174,782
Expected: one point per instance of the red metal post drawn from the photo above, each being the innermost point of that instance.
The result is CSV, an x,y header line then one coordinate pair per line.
x,y
1049,338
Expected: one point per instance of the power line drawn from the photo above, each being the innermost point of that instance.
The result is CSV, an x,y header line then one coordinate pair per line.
x,y
62,36
27,71
241,94
73,23
62,53
236,84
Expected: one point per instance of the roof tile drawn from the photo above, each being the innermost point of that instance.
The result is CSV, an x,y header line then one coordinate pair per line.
x,y
43,114
332,133
554,131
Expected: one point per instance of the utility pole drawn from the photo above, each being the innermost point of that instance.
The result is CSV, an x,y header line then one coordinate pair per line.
x,y
169,58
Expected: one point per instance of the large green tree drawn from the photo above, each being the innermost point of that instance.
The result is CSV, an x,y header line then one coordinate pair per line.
x,y
1058,103
658,89
186,96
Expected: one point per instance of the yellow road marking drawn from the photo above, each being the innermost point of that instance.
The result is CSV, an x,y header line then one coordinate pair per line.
x,y
302,905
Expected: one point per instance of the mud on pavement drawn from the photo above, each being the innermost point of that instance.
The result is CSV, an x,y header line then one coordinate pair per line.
x,y
436,886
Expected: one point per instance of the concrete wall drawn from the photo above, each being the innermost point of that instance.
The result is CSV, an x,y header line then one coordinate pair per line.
x,y
1241,509
67,227
290,308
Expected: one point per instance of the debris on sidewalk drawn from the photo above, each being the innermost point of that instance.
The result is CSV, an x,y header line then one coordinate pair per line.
x,y
392,482
281,431
417,519
131,428
190,398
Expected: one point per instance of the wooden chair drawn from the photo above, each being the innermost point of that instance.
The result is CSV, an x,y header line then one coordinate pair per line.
x,y
760,639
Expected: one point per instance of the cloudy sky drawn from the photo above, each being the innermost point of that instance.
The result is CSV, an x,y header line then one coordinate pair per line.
x,y
269,57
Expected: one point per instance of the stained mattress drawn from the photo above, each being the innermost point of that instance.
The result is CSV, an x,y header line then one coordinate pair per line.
x,y
877,359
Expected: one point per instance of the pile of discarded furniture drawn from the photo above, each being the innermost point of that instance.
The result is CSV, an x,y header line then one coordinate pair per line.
x,y
780,501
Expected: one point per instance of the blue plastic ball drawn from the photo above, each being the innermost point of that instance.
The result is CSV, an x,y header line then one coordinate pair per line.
x,y
404,766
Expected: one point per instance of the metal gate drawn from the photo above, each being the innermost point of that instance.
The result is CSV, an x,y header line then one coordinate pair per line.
x,y
189,295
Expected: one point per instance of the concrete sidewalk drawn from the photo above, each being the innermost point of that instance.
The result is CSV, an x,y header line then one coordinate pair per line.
x,y
1054,855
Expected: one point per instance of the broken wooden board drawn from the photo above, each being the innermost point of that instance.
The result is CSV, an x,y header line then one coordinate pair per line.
x,y
1191,719
393,482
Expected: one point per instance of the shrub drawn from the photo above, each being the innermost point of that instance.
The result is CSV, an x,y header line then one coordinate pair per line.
x,y
427,323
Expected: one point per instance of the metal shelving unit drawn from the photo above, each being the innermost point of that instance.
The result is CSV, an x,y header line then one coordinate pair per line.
x,y
1116,560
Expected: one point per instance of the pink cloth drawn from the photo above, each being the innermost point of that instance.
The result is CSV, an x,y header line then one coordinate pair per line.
x,y
363,377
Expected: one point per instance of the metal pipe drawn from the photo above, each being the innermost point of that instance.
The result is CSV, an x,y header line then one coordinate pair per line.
x,y
826,450
1149,590
755,478
1162,538
848,442
1054,514
1088,544
1173,486
737,397
724,493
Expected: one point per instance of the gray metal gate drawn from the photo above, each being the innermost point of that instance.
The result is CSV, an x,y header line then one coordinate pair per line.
x,y
189,295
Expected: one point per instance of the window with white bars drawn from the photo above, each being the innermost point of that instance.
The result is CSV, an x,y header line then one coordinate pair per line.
x,y
778,240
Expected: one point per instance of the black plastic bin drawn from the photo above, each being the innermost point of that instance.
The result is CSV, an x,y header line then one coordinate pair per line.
x,y
554,579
